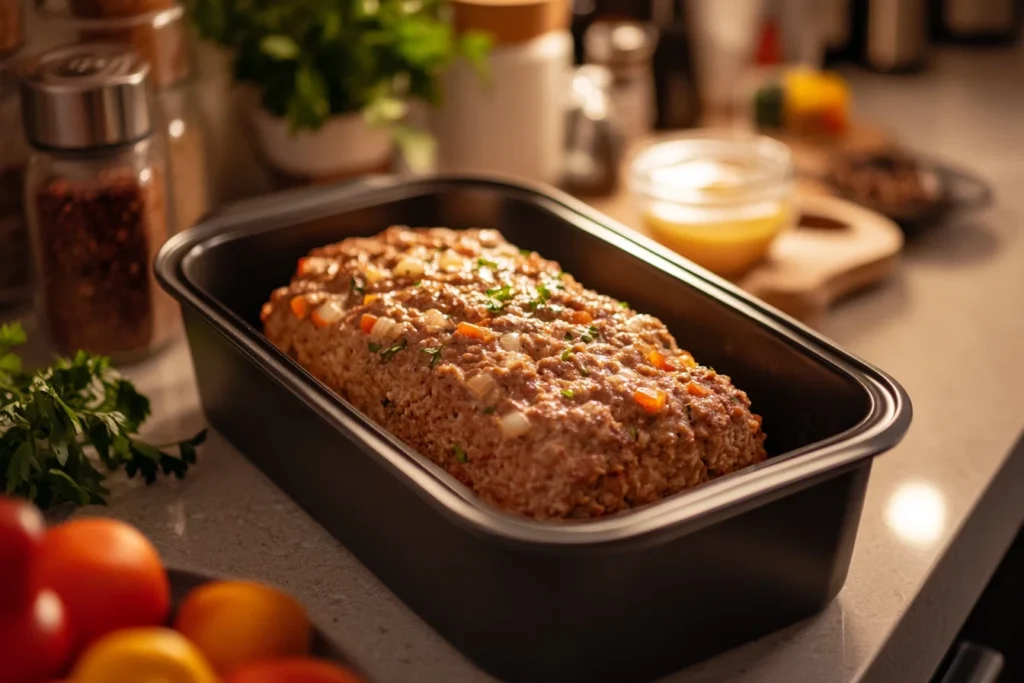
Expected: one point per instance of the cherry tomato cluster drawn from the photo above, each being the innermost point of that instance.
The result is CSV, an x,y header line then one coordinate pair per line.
x,y
88,601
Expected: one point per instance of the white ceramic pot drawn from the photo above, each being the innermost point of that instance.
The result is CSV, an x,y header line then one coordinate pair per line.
x,y
345,145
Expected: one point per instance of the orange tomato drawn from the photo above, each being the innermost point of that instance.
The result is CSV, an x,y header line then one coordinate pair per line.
x,y
108,575
21,530
293,670
236,623
143,655
35,644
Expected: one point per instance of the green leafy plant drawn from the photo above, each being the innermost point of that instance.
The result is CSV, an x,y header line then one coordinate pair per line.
x,y
52,420
312,59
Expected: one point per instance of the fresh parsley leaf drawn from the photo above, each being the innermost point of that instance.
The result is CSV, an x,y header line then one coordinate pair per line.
x,y
357,286
501,293
388,354
485,263
435,355
543,296
623,304
61,421
460,453
568,393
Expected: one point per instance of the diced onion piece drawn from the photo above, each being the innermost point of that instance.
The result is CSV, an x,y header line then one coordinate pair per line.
x,y
651,400
636,323
474,332
481,384
370,298
617,381
450,260
373,274
327,314
510,342
367,323
695,389
300,306
686,359
410,267
658,360
434,319
265,312
513,424
626,373
582,317
385,328
313,265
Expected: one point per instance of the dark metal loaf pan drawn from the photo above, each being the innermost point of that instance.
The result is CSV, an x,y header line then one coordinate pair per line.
x,y
628,597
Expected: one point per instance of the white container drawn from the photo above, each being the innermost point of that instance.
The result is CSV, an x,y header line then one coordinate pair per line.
x,y
343,145
513,122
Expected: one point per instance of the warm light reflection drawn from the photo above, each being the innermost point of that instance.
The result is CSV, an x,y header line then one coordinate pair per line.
x,y
917,513
176,128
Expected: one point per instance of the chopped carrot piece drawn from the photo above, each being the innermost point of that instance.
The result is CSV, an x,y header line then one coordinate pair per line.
x,y
658,360
299,306
651,400
582,317
305,266
370,298
265,312
367,322
695,389
473,331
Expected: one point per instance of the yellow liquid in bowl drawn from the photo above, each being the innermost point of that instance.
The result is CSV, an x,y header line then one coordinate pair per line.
x,y
726,237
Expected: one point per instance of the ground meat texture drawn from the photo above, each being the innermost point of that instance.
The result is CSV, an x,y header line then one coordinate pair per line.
x,y
547,399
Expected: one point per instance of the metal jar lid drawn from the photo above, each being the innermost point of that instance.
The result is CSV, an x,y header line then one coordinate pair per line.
x,y
84,96
619,42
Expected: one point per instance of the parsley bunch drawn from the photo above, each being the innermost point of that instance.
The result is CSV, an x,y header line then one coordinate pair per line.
x,y
52,419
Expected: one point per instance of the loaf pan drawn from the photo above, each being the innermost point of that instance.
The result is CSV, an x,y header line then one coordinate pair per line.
x,y
624,598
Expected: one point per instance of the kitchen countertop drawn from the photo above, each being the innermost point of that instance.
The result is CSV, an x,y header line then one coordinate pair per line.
x,y
941,508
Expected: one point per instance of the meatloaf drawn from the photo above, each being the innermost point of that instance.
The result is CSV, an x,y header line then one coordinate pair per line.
x,y
545,398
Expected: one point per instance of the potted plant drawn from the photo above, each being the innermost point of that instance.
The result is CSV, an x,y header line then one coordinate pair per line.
x,y
334,78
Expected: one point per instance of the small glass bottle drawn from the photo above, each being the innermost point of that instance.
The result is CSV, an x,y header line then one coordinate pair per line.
x,y
96,199
15,262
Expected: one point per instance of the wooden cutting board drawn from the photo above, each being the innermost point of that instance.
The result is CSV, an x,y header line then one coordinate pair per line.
x,y
837,249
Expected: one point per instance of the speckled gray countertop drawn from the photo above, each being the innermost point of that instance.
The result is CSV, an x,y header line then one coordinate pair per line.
x,y
940,509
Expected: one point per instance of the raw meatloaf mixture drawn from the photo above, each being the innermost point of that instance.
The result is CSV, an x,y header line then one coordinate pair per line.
x,y
547,399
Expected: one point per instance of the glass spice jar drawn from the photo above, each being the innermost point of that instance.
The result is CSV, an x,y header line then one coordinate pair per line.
x,y
187,164
15,262
96,198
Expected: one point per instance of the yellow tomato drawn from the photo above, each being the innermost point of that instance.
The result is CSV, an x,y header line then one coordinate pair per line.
x,y
235,623
143,655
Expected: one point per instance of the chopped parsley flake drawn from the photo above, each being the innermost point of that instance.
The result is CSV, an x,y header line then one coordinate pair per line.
x,y
526,252
499,297
418,283
489,410
623,304
584,372
357,286
543,296
566,353
590,335
389,353
374,347
460,453
435,355
634,433
482,262
568,393
568,336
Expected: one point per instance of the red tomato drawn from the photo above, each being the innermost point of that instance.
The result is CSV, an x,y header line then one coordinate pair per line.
x,y
21,529
108,575
36,644
293,670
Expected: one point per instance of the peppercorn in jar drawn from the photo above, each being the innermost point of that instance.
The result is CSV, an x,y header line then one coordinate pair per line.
x,y
96,198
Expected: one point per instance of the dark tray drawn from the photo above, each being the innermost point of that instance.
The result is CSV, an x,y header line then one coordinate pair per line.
x,y
628,597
